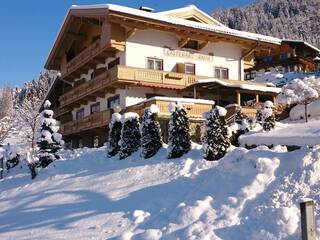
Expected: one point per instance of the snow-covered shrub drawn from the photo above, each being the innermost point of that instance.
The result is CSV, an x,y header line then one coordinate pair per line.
x,y
115,127
11,156
130,134
239,115
179,137
216,140
300,92
269,121
49,141
297,112
151,140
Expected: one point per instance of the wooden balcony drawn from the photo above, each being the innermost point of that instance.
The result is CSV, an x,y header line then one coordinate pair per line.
x,y
195,109
92,55
122,75
96,120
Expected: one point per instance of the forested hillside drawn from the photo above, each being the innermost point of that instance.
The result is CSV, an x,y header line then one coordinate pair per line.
x,y
291,19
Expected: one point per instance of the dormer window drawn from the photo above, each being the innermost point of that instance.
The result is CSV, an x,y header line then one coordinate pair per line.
x,y
192,44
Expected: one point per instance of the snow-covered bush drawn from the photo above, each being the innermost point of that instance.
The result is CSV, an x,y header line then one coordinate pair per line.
x,y
300,92
49,141
115,127
130,134
179,137
11,156
297,112
216,140
269,121
151,140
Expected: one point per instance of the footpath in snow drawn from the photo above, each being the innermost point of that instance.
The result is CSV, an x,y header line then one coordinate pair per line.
x,y
249,194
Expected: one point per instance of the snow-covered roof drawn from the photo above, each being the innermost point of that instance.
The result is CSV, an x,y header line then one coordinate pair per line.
x,y
181,22
240,84
302,42
191,8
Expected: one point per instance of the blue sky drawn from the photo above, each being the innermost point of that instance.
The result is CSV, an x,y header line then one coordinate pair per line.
x,y
28,29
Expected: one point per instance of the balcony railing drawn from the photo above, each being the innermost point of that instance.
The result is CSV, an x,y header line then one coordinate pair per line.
x,y
194,109
96,120
126,75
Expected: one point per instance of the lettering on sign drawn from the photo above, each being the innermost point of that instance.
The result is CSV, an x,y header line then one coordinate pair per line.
x,y
187,54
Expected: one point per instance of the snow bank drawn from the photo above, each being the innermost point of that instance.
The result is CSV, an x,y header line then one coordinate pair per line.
x,y
249,194
297,112
293,134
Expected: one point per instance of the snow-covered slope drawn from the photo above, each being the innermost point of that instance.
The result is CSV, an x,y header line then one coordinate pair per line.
x,y
249,194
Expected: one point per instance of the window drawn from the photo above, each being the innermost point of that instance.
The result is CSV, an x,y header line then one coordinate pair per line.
x,y
80,114
267,59
250,75
94,108
190,68
192,44
221,73
284,56
155,64
114,63
113,101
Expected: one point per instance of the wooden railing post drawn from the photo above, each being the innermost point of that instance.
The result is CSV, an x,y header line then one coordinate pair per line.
x,y
308,221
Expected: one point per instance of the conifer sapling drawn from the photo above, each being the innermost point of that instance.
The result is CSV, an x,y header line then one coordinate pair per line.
x,y
151,140
179,136
115,127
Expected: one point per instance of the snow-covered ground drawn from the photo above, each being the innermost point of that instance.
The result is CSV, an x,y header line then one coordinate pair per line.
x,y
289,133
249,194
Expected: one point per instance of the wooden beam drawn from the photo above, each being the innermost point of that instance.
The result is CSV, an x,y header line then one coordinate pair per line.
x,y
131,32
203,45
75,36
183,41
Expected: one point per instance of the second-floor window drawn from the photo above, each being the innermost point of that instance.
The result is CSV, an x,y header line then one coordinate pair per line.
x,y
222,73
94,108
155,64
192,44
190,68
80,114
113,101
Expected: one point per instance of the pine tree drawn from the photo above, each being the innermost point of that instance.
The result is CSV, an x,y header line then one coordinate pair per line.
x,y
50,140
130,135
216,138
179,136
151,140
269,121
11,156
239,115
115,127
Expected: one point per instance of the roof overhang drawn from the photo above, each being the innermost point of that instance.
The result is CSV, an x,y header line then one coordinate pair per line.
x,y
236,85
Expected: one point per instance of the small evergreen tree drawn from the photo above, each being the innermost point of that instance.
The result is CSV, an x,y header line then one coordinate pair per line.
x,y
269,121
49,141
115,127
216,138
130,134
151,140
11,156
179,136
239,115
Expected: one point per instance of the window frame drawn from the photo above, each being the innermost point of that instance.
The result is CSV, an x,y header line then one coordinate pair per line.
x,y
194,68
94,105
154,59
112,99
78,116
220,69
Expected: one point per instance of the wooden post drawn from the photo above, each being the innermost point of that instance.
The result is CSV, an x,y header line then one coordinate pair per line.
x,y
257,98
194,92
238,99
308,221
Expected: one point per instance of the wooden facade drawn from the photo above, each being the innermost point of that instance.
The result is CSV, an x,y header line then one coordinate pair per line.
x,y
90,36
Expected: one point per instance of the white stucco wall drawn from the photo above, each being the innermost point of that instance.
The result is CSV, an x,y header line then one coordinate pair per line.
x,y
128,97
150,43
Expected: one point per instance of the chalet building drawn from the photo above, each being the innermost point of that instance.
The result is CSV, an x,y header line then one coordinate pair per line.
x,y
110,55
292,56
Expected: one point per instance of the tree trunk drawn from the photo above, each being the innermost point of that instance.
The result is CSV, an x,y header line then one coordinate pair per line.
x,y
1,167
306,111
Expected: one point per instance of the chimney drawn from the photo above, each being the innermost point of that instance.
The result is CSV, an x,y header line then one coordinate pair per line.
x,y
146,9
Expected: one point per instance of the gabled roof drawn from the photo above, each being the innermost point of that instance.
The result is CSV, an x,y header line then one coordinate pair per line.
x,y
194,13
290,41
